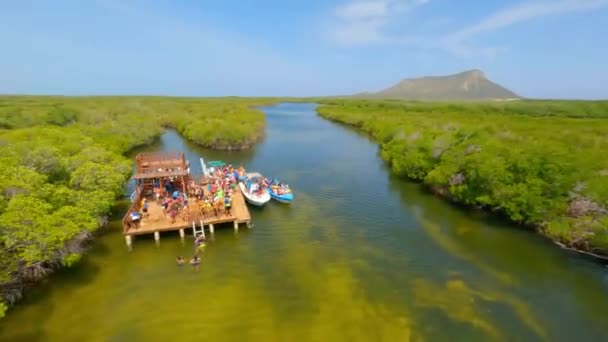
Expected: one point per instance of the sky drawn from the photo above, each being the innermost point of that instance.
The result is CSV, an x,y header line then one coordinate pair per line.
x,y
537,48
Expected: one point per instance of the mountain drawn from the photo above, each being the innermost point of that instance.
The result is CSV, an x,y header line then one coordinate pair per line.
x,y
467,85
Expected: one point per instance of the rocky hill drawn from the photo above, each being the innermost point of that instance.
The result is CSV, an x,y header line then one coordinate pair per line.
x,y
467,85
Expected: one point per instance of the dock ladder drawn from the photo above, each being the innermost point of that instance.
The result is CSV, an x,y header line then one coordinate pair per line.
x,y
196,232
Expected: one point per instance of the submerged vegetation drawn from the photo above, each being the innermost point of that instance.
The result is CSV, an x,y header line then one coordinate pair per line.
x,y
63,167
541,163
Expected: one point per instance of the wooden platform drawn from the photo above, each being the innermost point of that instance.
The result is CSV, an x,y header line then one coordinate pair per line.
x,y
170,171
157,221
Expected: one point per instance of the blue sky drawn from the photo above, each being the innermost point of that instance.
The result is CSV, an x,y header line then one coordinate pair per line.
x,y
548,49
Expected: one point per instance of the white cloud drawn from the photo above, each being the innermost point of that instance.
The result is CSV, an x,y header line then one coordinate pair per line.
x,y
368,22
363,22
459,42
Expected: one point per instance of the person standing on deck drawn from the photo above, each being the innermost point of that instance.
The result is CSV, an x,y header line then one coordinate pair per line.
x,y
228,205
208,208
157,193
186,213
144,207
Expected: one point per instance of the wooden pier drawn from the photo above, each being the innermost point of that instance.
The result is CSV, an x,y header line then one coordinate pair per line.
x,y
153,167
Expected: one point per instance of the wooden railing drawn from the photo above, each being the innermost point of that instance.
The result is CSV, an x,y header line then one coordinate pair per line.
x,y
159,156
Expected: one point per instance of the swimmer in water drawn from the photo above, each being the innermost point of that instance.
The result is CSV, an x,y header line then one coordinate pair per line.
x,y
199,240
179,260
195,261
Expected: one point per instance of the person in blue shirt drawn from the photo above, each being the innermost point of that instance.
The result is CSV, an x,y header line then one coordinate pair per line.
x,y
228,205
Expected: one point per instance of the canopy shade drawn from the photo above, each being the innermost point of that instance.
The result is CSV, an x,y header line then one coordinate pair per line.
x,y
216,163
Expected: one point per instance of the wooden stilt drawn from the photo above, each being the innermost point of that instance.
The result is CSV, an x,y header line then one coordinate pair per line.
x,y
129,240
182,233
211,228
193,229
202,229
236,226
156,236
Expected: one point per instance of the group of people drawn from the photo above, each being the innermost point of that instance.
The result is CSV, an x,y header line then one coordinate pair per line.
x,y
278,187
173,202
256,186
195,261
199,246
174,205
216,195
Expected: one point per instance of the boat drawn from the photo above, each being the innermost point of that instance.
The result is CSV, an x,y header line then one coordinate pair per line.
x,y
257,198
280,192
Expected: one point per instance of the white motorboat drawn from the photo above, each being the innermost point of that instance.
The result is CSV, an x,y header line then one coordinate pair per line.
x,y
252,191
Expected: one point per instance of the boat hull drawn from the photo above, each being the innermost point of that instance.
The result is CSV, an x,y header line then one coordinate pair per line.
x,y
285,198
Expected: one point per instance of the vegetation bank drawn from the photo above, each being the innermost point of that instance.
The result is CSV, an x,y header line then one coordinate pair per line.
x,y
541,163
63,166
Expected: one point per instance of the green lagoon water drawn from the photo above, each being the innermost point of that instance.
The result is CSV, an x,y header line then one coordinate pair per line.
x,y
359,255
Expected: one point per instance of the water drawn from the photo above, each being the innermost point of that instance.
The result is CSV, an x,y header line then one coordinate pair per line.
x,y
359,255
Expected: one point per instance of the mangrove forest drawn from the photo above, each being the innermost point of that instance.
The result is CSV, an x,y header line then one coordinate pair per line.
x,y
540,163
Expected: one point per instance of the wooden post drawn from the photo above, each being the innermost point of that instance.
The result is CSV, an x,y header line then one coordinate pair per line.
x,y
156,236
129,240
193,229
236,226
211,228
203,229
182,234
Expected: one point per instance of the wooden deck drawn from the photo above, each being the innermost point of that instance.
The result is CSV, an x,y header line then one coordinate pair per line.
x,y
152,170
157,221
